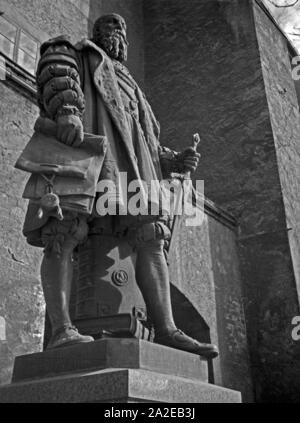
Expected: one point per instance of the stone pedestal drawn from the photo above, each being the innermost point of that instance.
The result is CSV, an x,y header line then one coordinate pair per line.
x,y
113,370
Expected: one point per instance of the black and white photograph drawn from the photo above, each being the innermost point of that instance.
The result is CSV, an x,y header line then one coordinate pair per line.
x,y
150,204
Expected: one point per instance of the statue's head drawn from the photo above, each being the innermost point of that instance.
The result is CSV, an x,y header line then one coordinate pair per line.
x,y
110,34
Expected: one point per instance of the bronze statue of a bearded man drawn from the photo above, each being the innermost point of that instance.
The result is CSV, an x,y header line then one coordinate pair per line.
x,y
85,88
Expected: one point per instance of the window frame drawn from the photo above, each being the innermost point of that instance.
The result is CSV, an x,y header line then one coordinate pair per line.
x,y
19,30
11,73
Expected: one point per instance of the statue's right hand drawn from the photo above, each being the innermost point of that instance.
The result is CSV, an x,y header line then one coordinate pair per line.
x,y
70,130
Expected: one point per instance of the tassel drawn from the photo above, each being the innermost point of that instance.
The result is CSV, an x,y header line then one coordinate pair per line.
x,y
50,206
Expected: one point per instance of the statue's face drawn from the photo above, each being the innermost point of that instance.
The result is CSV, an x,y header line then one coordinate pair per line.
x,y
110,34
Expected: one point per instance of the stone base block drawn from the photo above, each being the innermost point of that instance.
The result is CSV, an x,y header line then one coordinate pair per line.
x,y
113,370
125,353
117,386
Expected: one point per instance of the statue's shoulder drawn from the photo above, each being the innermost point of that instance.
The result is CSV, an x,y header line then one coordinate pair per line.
x,y
86,44
64,42
83,44
61,40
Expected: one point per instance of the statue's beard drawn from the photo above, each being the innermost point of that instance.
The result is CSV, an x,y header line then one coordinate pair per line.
x,y
114,44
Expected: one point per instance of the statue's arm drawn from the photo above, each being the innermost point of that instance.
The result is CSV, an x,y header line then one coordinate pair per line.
x,y
60,95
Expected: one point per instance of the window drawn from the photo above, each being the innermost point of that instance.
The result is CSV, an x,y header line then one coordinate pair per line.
x,y
8,34
18,45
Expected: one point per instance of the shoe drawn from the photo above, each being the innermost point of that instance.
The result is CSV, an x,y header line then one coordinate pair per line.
x,y
181,341
66,336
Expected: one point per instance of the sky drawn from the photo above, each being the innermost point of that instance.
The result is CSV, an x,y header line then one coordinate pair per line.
x,y
287,15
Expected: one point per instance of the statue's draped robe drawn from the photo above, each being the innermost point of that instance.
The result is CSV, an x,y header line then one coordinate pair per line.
x,y
116,108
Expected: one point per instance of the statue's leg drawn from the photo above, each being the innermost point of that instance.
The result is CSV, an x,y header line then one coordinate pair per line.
x,y
60,240
152,276
56,275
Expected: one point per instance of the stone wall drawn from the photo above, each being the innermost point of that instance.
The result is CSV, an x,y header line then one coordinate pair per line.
x,y
281,299
21,302
205,73
205,268
285,121
55,17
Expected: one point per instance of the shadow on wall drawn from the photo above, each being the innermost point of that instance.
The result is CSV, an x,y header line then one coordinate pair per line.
x,y
238,16
188,319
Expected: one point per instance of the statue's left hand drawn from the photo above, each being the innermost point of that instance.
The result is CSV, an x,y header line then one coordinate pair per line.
x,y
189,159
70,130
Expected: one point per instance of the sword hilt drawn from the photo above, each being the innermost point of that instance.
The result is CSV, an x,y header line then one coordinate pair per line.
x,y
196,141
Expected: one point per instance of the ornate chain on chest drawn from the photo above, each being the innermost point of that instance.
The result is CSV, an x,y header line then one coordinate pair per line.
x,y
123,73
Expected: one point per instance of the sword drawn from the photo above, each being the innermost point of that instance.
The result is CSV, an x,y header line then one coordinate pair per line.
x,y
182,177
